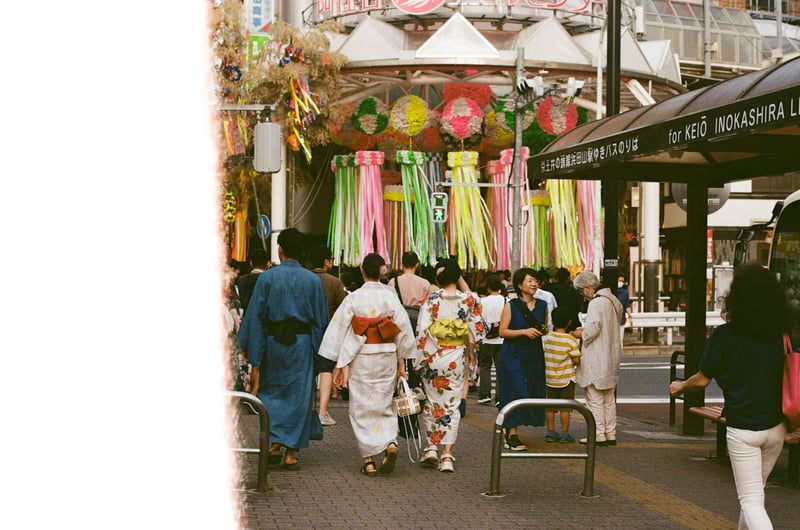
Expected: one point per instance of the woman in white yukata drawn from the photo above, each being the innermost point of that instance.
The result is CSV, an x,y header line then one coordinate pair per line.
x,y
370,337
448,321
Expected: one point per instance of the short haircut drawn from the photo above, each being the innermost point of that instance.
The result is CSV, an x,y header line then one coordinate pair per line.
x,y
292,241
259,258
410,259
561,317
562,275
372,264
519,277
585,279
494,284
447,272
543,276
319,253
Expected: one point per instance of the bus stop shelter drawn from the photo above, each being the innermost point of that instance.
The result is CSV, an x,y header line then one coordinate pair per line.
x,y
742,128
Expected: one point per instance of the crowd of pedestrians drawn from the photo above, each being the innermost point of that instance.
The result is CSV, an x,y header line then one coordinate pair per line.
x,y
302,325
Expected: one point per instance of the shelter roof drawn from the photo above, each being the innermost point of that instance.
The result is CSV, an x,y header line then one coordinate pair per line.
x,y
745,127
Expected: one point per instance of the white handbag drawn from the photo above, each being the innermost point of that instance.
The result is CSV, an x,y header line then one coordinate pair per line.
x,y
406,402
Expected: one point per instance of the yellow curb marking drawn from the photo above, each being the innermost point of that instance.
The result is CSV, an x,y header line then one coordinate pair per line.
x,y
667,505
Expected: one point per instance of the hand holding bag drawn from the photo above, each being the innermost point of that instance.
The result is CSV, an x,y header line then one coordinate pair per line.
x,y
791,384
406,402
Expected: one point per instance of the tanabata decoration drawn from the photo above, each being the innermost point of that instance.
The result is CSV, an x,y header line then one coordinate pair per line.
x,y
240,236
556,116
303,105
370,116
479,93
500,214
429,139
409,115
461,123
567,250
343,133
590,222
434,179
235,127
417,209
498,133
391,141
395,222
539,228
343,226
370,204
469,225
229,207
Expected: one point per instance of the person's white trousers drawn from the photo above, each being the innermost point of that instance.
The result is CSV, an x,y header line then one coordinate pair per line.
x,y
603,406
753,455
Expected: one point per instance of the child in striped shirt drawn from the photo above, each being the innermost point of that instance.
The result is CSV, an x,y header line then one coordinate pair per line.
x,y
562,353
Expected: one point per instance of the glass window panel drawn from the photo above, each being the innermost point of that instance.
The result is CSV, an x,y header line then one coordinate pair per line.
x,y
724,26
719,14
749,51
674,35
727,48
682,10
740,17
653,18
663,8
692,44
655,32
698,12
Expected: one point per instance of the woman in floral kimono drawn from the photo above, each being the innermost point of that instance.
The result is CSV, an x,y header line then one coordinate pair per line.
x,y
370,337
448,320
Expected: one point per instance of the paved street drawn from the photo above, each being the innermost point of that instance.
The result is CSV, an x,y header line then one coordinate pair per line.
x,y
655,478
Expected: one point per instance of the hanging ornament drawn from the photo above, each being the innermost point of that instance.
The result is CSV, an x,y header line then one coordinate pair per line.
x,y
409,115
480,94
370,117
556,116
229,207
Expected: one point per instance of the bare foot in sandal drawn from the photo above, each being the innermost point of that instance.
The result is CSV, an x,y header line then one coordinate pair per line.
x,y
369,468
389,461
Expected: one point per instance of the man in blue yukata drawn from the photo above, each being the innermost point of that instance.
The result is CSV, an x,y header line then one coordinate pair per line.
x,y
281,331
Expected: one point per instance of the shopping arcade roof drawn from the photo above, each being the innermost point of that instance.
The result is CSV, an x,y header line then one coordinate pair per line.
x,y
741,128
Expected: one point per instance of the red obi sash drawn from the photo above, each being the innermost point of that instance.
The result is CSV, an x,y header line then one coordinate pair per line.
x,y
378,330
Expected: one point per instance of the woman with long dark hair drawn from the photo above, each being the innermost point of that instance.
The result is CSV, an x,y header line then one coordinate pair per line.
x,y
745,356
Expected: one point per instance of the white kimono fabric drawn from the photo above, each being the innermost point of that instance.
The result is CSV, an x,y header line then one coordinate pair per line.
x,y
373,367
446,323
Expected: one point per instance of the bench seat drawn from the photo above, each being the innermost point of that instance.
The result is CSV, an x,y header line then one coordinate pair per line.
x,y
714,413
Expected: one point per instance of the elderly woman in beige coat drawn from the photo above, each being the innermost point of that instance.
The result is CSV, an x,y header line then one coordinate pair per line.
x,y
598,372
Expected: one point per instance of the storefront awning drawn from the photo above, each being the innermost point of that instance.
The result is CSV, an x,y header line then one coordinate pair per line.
x,y
745,127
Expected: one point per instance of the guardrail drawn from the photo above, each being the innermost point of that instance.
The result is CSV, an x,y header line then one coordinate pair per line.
x,y
497,443
670,320
263,437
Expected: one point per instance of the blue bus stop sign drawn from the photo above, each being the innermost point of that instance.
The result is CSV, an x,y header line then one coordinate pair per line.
x,y
262,227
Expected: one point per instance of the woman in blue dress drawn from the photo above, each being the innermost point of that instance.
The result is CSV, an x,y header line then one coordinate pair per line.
x,y
520,367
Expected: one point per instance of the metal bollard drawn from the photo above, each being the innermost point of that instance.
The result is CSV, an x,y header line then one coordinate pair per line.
x,y
497,443
263,437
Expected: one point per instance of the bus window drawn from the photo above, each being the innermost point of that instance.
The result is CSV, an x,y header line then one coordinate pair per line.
x,y
785,255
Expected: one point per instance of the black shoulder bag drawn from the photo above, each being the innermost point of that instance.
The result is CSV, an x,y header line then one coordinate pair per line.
x,y
527,315
412,310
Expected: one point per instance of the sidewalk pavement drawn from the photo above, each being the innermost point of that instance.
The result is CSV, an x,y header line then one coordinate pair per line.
x,y
654,478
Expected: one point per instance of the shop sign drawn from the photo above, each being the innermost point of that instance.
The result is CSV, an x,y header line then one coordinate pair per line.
x,y
259,19
738,118
338,8
418,7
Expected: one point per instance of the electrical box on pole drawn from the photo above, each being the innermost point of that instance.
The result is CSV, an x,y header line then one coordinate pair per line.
x,y
439,206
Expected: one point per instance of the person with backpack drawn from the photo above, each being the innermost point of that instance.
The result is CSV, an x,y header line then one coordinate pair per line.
x,y
412,289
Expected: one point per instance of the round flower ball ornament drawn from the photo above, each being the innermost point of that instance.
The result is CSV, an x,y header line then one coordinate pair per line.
x,y
370,117
556,116
429,139
409,115
480,94
461,119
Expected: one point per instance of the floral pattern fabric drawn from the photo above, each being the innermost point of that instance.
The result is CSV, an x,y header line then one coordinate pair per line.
x,y
447,322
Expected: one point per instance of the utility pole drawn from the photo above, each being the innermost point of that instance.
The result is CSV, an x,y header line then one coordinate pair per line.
x,y
516,207
610,193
